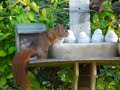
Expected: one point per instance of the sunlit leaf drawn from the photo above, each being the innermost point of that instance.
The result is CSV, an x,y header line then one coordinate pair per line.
x,y
95,18
1,18
11,50
9,76
110,28
22,17
31,16
34,81
2,53
34,6
3,81
27,2
42,18
52,1
44,13
23,2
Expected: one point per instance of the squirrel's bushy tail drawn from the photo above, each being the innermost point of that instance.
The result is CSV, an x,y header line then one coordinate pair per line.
x,y
19,67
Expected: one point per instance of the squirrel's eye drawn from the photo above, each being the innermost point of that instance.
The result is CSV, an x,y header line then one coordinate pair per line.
x,y
65,31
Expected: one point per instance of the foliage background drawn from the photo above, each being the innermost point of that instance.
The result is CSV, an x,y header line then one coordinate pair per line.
x,y
50,12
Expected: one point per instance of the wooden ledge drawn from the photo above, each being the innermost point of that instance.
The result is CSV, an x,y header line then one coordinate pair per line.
x,y
55,62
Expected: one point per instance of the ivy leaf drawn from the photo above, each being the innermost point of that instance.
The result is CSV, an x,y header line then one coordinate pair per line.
x,y
2,53
11,50
31,16
44,13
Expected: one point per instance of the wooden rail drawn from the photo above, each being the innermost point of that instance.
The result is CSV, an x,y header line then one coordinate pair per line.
x,y
97,60
85,69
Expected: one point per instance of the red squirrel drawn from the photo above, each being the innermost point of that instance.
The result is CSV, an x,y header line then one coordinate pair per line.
x,y
39,48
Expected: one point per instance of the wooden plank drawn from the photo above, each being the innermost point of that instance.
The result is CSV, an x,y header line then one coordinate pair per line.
x,y
75,77
97,60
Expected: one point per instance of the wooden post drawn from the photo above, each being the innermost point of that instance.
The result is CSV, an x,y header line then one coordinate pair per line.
x,y
93,76
76,76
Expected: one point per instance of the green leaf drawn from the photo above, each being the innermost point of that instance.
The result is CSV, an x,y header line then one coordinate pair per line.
x,y
1,18
2,25
2,69
103,24
7,35
27,2
1,7
31,16
3,81
44,13
52,1
95,18
21,17
42,18
110,28
11,50
23,2
2,53
105,14
34,6
33,79
9,76
4,36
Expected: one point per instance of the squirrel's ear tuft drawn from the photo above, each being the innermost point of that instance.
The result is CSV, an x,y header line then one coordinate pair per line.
x,y
51,36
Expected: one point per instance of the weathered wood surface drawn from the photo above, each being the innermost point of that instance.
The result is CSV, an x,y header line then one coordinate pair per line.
x,y
75,77
93,74
54,62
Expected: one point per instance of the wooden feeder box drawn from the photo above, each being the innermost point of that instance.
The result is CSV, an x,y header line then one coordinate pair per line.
x,y
27,32
84,57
